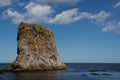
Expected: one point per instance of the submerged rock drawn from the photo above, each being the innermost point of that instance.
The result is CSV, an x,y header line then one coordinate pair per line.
x,y
96,70
94,74
36,49
104,74
84,75
1,72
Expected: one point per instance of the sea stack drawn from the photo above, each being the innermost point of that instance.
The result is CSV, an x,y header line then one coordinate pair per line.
x,y
36,49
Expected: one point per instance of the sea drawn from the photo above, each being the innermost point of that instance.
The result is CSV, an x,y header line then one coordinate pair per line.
x,y
75,71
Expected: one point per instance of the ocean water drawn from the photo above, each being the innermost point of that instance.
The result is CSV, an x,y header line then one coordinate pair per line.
x,y
75,71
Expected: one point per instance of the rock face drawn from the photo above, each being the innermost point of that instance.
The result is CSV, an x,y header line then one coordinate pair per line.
x,y
36,49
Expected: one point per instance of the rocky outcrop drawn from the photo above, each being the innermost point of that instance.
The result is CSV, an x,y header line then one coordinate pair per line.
x,y
36,49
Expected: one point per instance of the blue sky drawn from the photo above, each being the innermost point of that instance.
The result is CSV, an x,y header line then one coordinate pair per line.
x,y
86,31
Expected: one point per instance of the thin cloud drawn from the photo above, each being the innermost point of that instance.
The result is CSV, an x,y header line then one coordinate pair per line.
x,y
56,1
74,15
112,27
99,17
11,3
117,5
16,17
65,17
5,3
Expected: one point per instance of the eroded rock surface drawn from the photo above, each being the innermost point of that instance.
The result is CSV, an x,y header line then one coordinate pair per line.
x,y
36,49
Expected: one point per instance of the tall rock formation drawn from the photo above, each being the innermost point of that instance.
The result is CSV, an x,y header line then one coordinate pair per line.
x,y
36,49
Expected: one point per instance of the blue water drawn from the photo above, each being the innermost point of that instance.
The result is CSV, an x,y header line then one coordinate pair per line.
x,y
75,71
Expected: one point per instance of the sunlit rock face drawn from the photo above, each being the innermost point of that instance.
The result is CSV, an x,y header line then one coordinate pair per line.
x,y
36,49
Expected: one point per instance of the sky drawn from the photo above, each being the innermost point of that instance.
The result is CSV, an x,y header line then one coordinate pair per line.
x,y
85,31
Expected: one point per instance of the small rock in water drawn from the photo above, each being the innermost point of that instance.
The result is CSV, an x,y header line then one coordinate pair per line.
x,y
94,74
96,70
106,74
84,75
